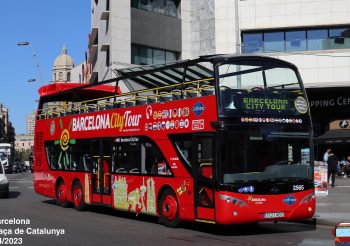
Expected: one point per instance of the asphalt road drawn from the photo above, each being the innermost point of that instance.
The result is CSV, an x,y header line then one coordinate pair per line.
x,y
104,226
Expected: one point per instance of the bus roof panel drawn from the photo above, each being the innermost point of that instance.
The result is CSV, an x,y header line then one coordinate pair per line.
x,y
152,76
57,88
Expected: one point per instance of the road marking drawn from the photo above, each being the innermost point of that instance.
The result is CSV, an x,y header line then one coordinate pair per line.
x,y
342,186
17,187
20,181
323,204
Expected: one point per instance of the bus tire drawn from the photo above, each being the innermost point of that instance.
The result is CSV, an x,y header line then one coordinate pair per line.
x,y
168,209
78,197
7,194
61,194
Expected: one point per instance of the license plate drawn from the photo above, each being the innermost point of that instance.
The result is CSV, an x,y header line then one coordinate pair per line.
x,y
273,215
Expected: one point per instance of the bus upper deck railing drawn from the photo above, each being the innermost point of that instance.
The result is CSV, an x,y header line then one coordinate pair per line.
x,y
191,89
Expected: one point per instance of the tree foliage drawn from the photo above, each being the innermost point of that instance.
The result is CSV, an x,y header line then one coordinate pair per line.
x,y
22,155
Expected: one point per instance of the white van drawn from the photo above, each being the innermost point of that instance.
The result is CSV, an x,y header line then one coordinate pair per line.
x,y
4,183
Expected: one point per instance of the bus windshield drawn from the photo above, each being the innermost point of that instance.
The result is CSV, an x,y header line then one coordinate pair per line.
x,y
265,153
259,88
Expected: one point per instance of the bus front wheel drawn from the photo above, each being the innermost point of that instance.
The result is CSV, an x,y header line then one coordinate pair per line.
x,y
61,195
78,197
168,209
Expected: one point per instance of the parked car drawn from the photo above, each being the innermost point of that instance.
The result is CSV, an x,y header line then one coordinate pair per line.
x,y
7,169
4,184
5,163
16,168
23,166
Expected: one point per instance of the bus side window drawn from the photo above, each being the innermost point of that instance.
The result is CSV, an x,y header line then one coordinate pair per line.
x,y
139,156
85,155
183,146
154,161
126,158
52,153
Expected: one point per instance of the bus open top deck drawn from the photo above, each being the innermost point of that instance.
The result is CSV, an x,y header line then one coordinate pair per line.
x,y
221,139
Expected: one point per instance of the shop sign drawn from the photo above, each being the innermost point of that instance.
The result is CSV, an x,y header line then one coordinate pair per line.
x,y
330,102
339,124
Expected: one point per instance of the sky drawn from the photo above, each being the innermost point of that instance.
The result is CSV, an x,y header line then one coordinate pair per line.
x,y
48,25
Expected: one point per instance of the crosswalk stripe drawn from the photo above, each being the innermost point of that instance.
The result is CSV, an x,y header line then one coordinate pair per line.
x,y
20,181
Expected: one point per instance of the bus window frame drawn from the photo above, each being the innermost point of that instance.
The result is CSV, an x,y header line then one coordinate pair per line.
x,y
281,64
142,169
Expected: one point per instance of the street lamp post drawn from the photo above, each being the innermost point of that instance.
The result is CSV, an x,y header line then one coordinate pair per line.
x,y
24,43
237,27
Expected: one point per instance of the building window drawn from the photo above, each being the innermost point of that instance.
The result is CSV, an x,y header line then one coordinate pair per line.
x,y
164,7
142,55
296,39
274,41
107,58
339,38
253,42
68,76
317,39
60,76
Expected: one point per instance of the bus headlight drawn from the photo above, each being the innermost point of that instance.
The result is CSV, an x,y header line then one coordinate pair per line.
x,y
233,200
308,198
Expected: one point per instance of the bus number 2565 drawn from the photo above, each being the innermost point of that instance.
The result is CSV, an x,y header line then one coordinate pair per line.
x,y
298,187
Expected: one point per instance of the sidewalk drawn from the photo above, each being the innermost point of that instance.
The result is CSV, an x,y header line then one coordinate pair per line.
x,y
334,208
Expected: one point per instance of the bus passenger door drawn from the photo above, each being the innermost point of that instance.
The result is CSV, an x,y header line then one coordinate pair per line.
x,y
203,173
101,171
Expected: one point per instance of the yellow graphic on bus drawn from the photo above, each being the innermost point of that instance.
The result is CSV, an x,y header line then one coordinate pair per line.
x,y
87,189
142,199
64,158
64,141
120,188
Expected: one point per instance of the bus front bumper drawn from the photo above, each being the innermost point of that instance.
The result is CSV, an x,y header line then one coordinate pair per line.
x,y
235,208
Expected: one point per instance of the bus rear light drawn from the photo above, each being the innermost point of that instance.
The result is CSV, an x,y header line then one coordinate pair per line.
x,y
308,198
235,213
233,200
309,209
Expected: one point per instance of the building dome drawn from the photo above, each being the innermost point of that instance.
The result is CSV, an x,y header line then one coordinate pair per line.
x,y
63,60
62,67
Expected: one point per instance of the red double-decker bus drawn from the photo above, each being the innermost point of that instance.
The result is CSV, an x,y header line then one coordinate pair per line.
x,y
220,139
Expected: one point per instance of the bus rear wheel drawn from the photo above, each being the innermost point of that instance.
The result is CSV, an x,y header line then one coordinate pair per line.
x,y
6,194
78,197
61,195
168,209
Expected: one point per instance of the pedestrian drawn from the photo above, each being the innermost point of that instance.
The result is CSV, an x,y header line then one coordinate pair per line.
x,y
332,162
326,154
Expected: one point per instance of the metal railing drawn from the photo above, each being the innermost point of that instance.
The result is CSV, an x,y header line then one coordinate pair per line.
x,y
163,94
